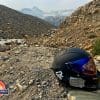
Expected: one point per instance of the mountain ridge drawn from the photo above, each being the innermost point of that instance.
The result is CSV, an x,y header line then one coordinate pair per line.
x,y
16,25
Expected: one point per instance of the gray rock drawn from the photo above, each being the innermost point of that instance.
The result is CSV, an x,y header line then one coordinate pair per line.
x,y
22,72
31,82
17,52
4,58
97,58
4,48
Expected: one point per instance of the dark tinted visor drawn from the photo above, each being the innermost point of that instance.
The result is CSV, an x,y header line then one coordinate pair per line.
x,y
84,66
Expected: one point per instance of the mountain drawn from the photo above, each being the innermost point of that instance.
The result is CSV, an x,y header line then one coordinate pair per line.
x,y
57,17
54,17
34,12
81,29
14,24
55,20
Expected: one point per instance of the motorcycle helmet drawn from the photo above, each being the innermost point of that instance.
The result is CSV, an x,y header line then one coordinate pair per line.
x,y
75,62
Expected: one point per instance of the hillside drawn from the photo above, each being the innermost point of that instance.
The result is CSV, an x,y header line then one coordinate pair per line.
x,y
80,29
14,24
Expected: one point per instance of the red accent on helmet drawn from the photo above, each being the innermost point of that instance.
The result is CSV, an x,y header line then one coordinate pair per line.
x,y
90,68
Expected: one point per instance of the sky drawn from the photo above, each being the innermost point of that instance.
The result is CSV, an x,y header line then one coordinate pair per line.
x,y
45,5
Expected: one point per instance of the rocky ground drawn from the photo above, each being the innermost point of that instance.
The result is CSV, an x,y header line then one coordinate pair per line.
x,y
26,71
25,66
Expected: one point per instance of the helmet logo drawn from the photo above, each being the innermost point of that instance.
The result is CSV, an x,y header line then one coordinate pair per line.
x,y
59,74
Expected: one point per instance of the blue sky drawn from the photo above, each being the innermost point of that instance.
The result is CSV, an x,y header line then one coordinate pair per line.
x,y
46,5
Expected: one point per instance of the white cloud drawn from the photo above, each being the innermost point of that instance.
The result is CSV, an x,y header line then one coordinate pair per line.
x,y
44,4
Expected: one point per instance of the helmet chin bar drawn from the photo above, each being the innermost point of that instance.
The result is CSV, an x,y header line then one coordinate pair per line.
x,y
78,81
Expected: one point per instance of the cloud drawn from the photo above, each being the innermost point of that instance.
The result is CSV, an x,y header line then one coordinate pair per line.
x,y
46,5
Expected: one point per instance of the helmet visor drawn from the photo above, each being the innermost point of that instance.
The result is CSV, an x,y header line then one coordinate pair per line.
x,y
84,66
89,68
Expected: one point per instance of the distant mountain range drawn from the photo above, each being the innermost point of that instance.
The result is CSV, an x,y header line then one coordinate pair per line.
x,y
54,17
55,20
34,12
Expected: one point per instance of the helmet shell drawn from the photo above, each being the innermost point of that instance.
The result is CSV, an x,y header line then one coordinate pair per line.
x,y
69,55
63,72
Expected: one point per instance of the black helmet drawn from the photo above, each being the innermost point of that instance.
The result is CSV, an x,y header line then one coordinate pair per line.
x,y
74,62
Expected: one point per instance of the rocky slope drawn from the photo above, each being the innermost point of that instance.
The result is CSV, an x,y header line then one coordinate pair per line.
x,y
14,24
80,29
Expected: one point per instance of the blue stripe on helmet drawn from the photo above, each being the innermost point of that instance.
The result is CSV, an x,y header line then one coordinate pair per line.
x,y
77,65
